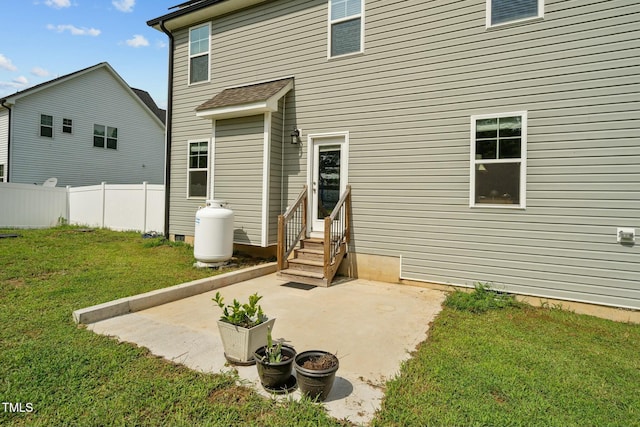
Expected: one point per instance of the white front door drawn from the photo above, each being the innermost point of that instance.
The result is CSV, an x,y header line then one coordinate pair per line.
x,y
329,156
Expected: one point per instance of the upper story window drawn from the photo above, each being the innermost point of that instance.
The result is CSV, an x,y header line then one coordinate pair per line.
x,y
1,173
346,27
46,125
105,137
198,169
498,161
67,126
506,11
199,53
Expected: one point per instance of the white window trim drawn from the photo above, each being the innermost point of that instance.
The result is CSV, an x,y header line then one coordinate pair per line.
x,y
40,125
516,21
337,21
63,126
208,168
208,25
106,137
523,161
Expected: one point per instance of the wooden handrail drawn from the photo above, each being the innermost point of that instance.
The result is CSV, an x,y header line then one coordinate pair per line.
x,y
337,234
289,237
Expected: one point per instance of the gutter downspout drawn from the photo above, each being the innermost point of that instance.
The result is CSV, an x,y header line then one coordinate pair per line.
x,y
168,132
6,174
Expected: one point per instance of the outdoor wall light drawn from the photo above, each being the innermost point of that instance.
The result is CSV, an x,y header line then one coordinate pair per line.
x,y
295,136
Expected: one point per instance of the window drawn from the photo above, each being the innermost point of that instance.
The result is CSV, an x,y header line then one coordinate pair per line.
x,y
505,11
498,161
346,29
46,125
1,173
67,126
198,168
199,54
105,136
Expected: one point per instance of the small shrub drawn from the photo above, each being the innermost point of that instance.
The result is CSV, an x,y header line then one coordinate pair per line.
x,y
482,299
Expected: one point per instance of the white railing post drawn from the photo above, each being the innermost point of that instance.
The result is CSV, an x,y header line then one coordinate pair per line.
x,y
145,190
103,189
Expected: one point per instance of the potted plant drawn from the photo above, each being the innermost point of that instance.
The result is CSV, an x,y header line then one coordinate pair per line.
x,y
275,364
316,372
243,328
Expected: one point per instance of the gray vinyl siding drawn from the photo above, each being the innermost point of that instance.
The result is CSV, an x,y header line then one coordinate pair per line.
x,y
238,173
92,98
406,102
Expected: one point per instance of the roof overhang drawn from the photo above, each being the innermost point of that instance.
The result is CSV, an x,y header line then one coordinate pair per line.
x,y
199,12
216,108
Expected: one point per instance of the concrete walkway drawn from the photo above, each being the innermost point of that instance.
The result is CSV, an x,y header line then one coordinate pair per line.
x,y
371,326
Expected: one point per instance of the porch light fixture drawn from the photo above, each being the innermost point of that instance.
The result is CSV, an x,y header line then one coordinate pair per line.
x,y
295,136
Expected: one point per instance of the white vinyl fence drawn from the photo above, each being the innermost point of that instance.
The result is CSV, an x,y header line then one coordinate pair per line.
x,y
118,207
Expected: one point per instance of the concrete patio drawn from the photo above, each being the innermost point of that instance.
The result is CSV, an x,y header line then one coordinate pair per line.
x,y
371,326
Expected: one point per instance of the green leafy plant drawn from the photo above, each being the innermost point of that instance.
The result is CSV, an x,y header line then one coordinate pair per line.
x,y
483,298
272,353
245,315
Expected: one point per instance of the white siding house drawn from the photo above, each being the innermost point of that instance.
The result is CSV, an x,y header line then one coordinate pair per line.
x,y
83,128
481,142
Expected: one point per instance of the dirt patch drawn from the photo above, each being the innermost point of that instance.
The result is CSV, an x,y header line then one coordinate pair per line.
x,y
234,395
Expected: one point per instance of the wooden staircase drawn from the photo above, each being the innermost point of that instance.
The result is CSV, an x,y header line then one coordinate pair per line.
x,y
311,260
307,264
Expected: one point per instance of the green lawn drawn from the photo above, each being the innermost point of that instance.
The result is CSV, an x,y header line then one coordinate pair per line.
x,y
71,376
518,366
514,365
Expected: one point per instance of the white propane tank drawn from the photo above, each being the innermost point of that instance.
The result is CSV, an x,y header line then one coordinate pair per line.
x,y
213,239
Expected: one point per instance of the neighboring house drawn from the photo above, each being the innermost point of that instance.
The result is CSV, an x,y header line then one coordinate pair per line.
x,y
83,128
483,140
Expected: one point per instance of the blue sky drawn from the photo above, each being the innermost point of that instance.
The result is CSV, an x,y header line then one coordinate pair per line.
x,y
45,39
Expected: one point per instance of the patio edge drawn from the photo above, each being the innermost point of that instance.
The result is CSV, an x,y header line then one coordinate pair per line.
x,y
150,299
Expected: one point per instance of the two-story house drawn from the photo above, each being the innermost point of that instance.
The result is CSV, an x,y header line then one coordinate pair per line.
x,y
474,140
82,128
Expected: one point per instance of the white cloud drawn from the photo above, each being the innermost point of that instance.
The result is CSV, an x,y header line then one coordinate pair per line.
x,y
40,72
138,41
75,31
124,5
6,63
21,80
58,4
17,84
160,44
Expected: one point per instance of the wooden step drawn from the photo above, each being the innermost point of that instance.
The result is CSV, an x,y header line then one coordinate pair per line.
x,y
310,254
312,243
301,276
306,265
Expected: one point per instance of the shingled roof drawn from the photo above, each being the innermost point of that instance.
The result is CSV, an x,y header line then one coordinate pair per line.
x,y
259,92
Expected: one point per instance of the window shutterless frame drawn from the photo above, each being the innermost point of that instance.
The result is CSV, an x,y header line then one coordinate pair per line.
x,y
199,69
67,126
498,161
46,126
505,12
345,21
198,168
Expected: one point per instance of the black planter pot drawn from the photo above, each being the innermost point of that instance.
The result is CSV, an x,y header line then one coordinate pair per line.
x,y
276,377
315,383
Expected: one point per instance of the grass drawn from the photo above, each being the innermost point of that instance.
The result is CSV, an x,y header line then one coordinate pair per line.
x,y
71,376
490,360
